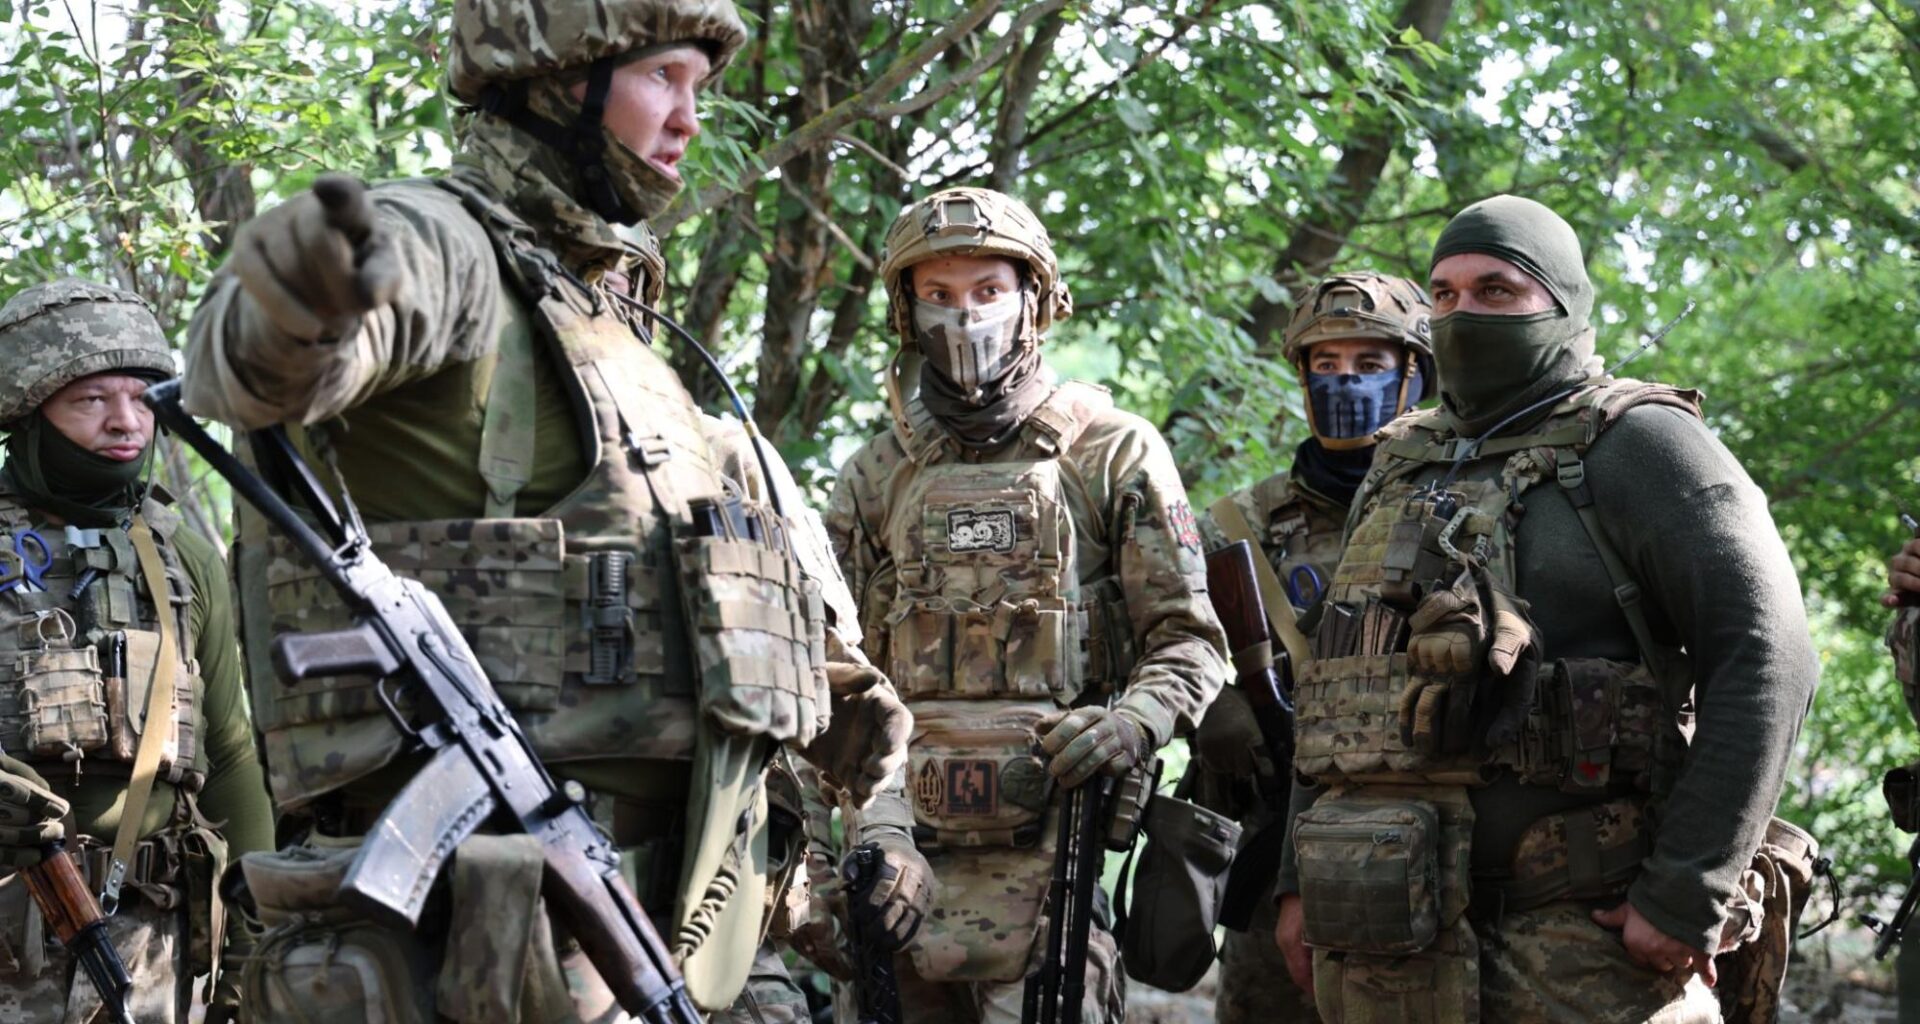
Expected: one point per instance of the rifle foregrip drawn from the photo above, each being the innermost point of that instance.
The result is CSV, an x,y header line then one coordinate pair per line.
x,y
356,651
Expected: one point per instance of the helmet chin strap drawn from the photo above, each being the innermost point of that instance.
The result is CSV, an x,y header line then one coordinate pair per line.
x,y
584,144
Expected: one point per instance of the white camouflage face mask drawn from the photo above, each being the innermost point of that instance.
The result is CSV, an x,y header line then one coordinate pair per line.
x,y
971,347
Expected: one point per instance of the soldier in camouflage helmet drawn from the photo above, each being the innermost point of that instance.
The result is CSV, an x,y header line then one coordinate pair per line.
x,y
81,664
466,353
1361,345
1030,577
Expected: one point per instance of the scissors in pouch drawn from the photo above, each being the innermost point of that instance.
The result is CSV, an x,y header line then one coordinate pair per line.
x,y
24,562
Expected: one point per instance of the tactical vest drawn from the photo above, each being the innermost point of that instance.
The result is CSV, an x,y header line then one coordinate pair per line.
x,y
648,595
989,604
1384,856
1297,533
76,674
1590,726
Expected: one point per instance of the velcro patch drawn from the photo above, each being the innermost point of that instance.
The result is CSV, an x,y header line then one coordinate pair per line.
x,y
958,788
971,530
1185,528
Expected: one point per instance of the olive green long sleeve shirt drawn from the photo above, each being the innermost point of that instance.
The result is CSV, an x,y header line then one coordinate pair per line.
x,y
1715,580
235,795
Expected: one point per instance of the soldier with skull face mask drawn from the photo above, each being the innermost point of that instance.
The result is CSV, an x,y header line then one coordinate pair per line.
x,y
1363,348
1030,577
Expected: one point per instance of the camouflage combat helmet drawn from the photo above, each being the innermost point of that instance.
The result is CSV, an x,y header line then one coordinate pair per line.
x,y
972,222
56,333
1361,305
496,41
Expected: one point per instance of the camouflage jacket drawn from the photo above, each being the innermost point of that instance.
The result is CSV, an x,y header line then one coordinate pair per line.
x,y
1131,522
405,398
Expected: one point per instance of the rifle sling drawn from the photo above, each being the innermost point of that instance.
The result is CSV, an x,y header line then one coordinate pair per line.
x,y
157,723
1273,595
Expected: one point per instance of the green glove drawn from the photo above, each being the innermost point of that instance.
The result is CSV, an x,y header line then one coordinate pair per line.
x,y
318,261
29,815
1086,741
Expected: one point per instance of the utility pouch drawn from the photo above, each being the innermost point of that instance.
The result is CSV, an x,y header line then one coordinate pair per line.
x,y
977,775
1412,560
1109,639
759,626
180,748
1587,853
1438,986
1369,874
1773,892
518,597
1597,720
63,702
1348,722
1166,932
1902,790
316,961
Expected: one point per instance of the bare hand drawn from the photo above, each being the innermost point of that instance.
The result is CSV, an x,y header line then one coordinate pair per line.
x,y
1289,935
1653,949
1903,576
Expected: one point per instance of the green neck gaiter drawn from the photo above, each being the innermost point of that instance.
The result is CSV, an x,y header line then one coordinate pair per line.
x,y
1493,366
53,474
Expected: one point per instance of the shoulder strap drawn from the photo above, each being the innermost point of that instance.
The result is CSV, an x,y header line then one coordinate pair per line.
x,y
155,729
1065,415
507,440
1273,595
1606,405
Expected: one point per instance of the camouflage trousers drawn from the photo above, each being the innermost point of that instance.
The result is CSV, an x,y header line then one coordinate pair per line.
x,y
40,984
1255,985
959,1002
771,997
1551,963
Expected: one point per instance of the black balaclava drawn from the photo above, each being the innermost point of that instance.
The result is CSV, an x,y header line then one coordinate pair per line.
x,y
1493,366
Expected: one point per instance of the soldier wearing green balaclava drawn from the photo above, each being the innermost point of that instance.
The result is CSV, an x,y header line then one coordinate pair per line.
x,y
124,731
1560,667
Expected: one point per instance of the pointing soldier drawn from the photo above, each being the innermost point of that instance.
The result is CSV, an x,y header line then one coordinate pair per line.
x,y
123,722
1030,577
467,357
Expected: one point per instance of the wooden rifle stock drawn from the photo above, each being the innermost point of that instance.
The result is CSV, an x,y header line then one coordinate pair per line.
x,y
74,915
1261,671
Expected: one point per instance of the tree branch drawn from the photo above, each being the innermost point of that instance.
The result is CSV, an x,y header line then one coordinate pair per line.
x,y
981,65
862,105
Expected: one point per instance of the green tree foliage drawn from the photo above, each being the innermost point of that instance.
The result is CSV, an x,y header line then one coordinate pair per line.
x,y
1197,162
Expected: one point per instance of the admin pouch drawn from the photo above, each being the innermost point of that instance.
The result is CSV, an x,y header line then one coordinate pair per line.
x,y
1384,881
977,774
1166,930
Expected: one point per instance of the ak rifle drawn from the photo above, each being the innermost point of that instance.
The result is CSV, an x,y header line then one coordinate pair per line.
x,y
481,768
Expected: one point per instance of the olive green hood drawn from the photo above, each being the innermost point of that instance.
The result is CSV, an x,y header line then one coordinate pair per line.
x,y
1493,366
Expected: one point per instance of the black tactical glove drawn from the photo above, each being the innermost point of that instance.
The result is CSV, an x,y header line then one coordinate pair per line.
x,y
1229,741
888,912
29,815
